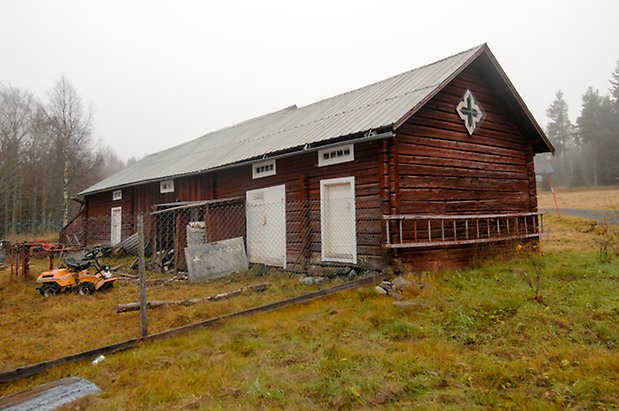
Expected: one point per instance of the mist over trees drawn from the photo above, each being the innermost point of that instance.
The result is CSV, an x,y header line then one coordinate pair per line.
x,y
587,151
47,155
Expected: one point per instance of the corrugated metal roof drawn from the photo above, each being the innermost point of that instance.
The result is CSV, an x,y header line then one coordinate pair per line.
x,y
371,107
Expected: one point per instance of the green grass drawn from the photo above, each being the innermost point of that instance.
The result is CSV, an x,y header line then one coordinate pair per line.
x,y
467,340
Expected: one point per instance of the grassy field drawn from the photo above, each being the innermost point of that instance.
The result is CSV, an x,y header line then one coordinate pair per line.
x,y
594,198
44,328
480,338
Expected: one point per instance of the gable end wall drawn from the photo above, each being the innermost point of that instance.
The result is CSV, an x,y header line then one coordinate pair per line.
x,y
444,170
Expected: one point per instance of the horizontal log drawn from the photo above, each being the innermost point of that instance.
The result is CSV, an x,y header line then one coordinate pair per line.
x,y
429,167
468,183
135,306
428,150
427,158
439,141
422,206
460,194
437,121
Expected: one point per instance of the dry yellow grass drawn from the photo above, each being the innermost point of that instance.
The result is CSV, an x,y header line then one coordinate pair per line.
x,y
569,233
35,328
593,198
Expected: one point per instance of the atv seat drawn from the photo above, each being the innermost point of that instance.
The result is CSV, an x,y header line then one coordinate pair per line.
x,y
76,264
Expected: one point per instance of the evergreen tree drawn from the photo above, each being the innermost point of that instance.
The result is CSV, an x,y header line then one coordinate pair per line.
x,y
615,88
560,130
611,121
589,129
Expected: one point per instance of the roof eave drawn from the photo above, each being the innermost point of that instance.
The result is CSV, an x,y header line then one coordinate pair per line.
x,y
366,135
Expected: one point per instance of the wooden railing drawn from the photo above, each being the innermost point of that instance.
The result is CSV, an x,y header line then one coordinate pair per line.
x,y
416,231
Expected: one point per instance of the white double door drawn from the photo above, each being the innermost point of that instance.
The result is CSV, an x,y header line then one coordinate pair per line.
x,y
266,223
265,210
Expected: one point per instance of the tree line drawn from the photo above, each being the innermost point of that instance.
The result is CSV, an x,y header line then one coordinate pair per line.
x,y
587,151
47,155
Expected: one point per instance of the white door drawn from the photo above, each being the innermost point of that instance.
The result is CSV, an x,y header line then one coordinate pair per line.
x,y
338,220
116,224
266,226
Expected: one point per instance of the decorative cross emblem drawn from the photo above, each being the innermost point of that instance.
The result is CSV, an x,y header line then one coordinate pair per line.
x,y
470,112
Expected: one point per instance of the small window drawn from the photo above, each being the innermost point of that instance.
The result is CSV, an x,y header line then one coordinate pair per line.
x,y
335,155
117,195
166,186
263,169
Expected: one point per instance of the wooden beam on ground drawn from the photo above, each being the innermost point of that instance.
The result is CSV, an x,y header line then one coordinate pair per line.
x,y
135,306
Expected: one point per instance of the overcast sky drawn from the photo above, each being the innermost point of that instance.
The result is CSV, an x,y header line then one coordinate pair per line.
x,y
158,73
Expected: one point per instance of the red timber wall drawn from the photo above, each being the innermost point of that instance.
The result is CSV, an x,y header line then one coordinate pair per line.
x,y
444,170
301,176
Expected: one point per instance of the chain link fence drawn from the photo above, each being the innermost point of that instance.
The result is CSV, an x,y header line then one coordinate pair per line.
x,y
295,236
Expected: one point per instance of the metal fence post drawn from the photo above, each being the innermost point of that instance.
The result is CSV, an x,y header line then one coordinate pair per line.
x,y
142,269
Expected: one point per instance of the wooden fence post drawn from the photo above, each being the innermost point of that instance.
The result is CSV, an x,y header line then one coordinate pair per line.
x,y
142,269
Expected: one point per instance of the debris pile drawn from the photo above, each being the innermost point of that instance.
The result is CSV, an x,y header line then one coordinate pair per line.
x,y
396,287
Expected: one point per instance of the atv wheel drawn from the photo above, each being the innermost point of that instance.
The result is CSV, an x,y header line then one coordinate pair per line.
x,y
49,289
86,289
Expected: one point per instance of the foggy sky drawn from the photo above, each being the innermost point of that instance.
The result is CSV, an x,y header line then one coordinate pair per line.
x,y
159,73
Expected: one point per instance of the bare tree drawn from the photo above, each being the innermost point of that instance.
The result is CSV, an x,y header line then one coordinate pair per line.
x,y
16,109
70,126
110,163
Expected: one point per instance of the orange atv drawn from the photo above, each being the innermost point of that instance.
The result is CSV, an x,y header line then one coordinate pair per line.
x,y
76,277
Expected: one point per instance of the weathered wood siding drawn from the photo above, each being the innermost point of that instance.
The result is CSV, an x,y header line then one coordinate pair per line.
x,y
301,176
444,170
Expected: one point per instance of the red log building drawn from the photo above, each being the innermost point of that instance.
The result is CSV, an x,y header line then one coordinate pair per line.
x,y
433,165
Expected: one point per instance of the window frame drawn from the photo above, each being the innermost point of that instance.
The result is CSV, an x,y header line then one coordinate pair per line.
x,y
260,174
337,159
169,189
